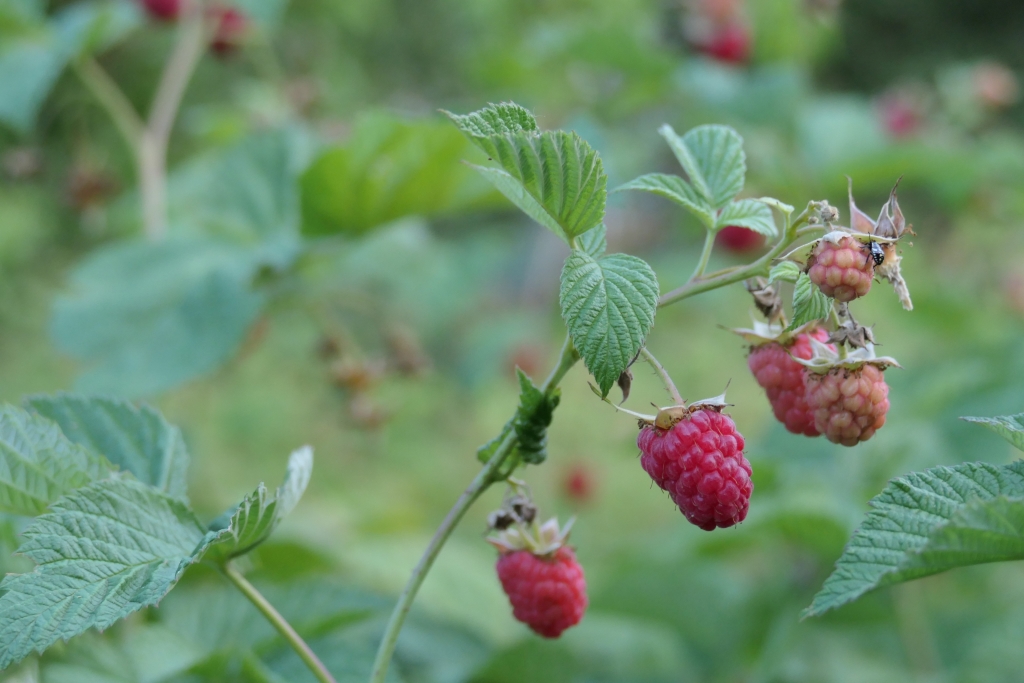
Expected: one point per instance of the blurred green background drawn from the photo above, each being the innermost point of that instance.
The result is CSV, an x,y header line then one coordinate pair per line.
x,y
386,295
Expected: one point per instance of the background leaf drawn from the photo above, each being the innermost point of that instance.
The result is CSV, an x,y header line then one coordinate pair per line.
x,y
31,64
748,213
102,552
137,439
928,522
1010,427
145,317
38,464
259,514
388,169
608,305
713,159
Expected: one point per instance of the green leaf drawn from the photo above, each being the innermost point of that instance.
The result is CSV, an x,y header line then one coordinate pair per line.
x,y
555,177
713,159
808,302
247,193
928,522
137,439
259,514
787,271
30,65
533,417
678,190
388,169
38,464
494,119
608,304
102,552
487,451
594,241
748,213
1010,427
145,317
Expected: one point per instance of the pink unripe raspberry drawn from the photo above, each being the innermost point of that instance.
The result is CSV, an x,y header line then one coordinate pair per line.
x,y
699,461
163,10
849,405
548,592
841,270
730,43
784,379
230,27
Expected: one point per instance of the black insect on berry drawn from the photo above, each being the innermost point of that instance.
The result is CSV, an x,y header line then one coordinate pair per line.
x,y
876,252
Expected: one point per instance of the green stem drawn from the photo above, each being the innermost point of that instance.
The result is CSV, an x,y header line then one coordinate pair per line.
x,y
699,285
665,378
705,255
152,153
484,478
280,623
112,99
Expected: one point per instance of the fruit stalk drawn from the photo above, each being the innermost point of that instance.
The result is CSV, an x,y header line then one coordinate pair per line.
x,y
300,646
485,477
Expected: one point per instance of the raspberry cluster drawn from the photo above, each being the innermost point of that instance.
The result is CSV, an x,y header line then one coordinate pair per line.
x,y
699,461
548,592
843,269
784,379
849,405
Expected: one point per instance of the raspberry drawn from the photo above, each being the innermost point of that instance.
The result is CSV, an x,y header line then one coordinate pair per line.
x,y
163,10
548,592
849,406
739,239
842,270
230,27
699,461
578,484
784,380
729,44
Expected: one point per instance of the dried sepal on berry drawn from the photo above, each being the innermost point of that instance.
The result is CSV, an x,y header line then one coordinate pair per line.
x,y
766,297
539,539
766,333
890,227
825,357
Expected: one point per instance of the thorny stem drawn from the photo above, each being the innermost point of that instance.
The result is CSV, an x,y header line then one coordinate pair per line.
x,y
280,623
485,477
665,378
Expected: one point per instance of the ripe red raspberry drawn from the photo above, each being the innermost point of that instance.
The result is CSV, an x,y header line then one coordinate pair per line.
x,y
548,592
699,461
739,239
842,270
730,44
230,27
578,483
849,405
163,10
784,379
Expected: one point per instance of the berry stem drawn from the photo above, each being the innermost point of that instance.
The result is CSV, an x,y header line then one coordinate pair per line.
x,y
705,255
485,477
699,285
670,386
300,646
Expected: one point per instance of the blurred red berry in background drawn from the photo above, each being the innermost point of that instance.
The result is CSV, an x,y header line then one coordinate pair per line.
x,y
738,239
